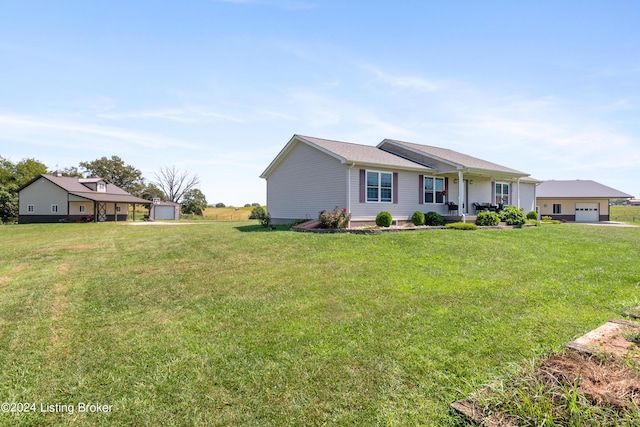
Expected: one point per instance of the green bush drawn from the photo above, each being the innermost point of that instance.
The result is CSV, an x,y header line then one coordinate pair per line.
x,y
513,216
487,219
338,218
532,215
257,212
265,221
383,219
433,219
417,218
462,226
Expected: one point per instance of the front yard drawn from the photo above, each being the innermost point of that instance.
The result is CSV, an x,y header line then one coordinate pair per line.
x,y
226,323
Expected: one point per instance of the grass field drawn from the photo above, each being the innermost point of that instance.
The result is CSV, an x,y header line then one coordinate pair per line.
x,y
210,214
630,214
225,323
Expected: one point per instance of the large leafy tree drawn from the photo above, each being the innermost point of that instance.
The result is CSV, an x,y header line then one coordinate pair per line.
x,y
20,173
151,191
71,171
12,177
175,184
8,203
116,172
194,202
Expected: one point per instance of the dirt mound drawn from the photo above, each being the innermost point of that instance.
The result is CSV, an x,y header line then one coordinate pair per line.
x,y
603,380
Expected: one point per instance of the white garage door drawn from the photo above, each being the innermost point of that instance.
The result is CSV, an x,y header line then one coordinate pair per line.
x,y
587,212
164,212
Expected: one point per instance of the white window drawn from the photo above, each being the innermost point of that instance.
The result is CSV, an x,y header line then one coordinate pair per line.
x,y
54,208
102,186
379,186
433,190
502,193
31,208
82,208
557,208
118,208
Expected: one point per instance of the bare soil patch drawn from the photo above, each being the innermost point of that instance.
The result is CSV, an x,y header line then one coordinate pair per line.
x,y
603,366
610,382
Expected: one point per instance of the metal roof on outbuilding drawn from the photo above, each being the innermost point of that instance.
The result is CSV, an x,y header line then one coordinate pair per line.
x,y
578,189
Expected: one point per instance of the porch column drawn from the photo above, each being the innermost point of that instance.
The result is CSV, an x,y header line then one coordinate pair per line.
x,y
461,197
518,186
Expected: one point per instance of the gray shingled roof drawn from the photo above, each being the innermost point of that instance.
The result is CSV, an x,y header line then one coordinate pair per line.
x,y
454,157
363,154
113,194
578,188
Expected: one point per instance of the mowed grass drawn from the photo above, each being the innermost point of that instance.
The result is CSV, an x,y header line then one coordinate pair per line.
x,y
630,214
225,323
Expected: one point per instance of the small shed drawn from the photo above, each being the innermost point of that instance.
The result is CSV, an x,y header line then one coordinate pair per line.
x,y
164,211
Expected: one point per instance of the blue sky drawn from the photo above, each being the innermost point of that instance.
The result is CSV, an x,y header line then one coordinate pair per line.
x,y
218,87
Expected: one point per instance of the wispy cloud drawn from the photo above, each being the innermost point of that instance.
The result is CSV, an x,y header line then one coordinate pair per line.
x,y
280,4
46,129
189,114
401,81
173,115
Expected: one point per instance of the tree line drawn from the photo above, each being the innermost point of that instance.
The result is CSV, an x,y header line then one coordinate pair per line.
x,y
169,183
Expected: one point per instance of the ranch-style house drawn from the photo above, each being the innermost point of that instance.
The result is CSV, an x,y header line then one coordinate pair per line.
x,y
311,175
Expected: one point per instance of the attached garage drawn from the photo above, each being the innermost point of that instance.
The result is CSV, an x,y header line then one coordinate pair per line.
x,y
587,212
578,200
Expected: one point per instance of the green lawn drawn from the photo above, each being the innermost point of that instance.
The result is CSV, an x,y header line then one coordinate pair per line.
x,y
630,214
224,323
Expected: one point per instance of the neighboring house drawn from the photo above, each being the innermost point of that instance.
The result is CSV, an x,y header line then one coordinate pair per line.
x,y
576,200
311,174
57,198
164,210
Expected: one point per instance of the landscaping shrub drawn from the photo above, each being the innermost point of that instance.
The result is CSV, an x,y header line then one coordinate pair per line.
x,y
417,218
338,218
462,226
487,219
383,219
513,216
257,213
532,215
433,219
265,220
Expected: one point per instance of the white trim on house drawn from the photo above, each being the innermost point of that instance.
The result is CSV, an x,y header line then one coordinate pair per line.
x,y
379,187
308,176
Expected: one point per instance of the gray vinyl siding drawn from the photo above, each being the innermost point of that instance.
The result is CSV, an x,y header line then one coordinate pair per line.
x,y
42,194
479,191
527,197
408,198
306,182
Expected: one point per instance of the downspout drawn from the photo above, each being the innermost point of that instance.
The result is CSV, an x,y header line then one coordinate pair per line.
x,y
518,186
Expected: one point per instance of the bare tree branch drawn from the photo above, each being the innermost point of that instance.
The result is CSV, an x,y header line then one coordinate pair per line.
x,y
175,183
